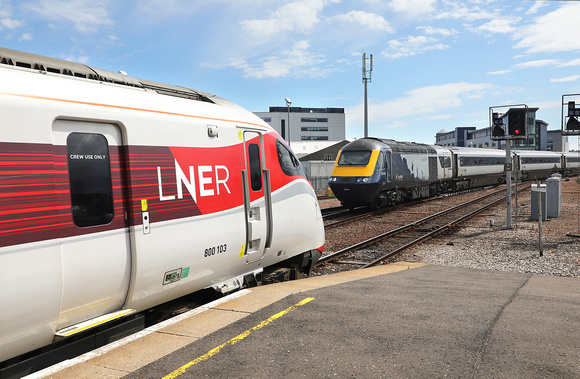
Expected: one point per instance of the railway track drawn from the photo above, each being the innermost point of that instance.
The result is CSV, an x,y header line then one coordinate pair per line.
x,y
396,241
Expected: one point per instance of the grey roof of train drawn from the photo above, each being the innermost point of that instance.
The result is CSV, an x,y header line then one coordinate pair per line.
x,y
395,146
58,66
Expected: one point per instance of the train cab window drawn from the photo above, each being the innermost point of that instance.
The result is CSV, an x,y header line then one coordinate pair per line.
x,y
288,162
89,170
255,166
354,158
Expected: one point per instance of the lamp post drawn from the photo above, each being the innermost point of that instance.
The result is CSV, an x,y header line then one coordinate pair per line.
x,y
288,103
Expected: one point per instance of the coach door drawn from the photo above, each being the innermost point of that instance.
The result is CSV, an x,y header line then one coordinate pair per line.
x,y
95,243
257,197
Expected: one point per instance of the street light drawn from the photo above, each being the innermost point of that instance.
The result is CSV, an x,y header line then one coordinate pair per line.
x,y
288,103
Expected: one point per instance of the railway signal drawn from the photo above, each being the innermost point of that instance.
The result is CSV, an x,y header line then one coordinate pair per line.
x,y
517,122
570,115
498,128
517,117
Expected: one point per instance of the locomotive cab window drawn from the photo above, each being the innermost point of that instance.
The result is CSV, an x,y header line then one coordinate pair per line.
x,y
255,167
89,172
354,158
288,162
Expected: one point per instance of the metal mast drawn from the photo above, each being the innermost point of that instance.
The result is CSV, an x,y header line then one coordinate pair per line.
x,y
366,78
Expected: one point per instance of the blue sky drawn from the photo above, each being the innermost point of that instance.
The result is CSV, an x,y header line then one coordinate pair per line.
x,y
438,64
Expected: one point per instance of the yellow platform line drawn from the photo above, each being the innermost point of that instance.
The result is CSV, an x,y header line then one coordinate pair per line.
x,y
235,340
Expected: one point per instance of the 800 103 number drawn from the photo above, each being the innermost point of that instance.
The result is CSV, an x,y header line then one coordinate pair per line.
x,y
215,250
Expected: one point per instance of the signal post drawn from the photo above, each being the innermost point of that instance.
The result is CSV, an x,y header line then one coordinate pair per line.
x,y
516,119
571,126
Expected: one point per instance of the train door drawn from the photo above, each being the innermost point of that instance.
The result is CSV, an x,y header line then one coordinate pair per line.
x,y
257,197
95,243
386,155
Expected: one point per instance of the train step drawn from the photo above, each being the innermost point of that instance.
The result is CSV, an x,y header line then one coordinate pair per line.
x,y
88,324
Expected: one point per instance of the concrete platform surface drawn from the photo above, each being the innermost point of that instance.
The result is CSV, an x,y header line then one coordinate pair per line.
x,y
402,320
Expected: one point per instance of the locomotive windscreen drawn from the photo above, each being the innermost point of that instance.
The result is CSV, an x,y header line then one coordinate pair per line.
x,y
354,158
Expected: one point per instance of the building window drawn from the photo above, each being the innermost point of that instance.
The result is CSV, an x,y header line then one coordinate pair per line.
x,y
328,157
314,128
314,119
267,119
314,138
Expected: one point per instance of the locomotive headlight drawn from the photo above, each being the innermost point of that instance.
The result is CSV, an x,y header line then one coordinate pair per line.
x,y
365,180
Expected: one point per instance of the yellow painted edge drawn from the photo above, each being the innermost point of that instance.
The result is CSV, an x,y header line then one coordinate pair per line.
x,y
356,170
234,340
92,325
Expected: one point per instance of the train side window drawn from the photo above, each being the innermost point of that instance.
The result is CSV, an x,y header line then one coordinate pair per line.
x,y
255,167
288,162
445,161
91,187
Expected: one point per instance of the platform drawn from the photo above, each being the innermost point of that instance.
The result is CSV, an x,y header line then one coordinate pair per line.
x,y
400,320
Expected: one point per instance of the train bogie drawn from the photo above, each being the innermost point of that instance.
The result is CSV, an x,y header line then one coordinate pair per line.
x,y
118,197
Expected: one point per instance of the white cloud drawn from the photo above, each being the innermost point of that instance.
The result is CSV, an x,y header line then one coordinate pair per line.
x,y
86,15
502,25
297,62
299,16
412,46
443,32
501,72
26,37
566,79
538,63
9,23
573,62
537,5
369,20
556,31
75,58
413,8
422,102
460,11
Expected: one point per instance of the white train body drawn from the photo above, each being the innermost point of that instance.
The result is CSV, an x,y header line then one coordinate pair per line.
x,y
115,198
538,164
472,162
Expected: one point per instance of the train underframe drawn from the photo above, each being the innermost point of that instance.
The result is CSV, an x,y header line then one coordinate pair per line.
x,y
397,195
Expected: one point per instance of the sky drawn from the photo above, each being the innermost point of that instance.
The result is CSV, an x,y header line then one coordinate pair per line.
x,y
437,64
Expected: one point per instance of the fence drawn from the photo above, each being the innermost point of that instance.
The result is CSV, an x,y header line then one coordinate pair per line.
x,y
320,184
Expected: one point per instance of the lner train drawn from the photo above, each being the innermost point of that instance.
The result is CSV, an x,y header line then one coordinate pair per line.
x,y
380,172
117,194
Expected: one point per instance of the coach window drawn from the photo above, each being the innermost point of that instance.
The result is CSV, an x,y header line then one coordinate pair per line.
x,y
89,170
255,166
